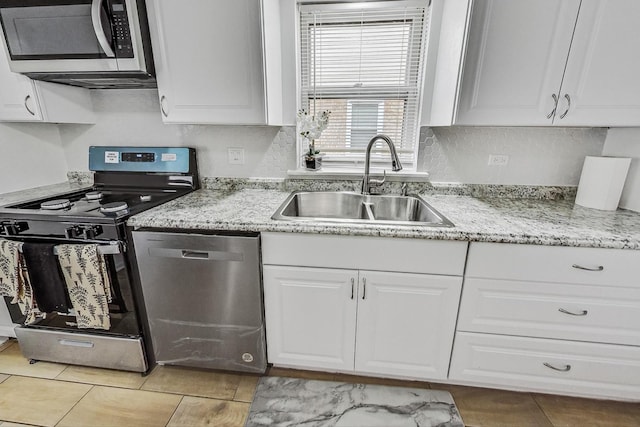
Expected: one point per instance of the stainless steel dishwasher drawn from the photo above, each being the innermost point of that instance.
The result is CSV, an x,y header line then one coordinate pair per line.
x,y
203,297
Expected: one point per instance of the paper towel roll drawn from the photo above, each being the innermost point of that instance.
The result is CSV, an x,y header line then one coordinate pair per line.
x,y
601,182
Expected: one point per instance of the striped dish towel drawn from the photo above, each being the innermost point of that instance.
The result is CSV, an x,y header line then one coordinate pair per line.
x,y
85,273
14,280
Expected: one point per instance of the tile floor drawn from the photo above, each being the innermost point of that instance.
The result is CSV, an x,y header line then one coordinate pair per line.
x,y
50,394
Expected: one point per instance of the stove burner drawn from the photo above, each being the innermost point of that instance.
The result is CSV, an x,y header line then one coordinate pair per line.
x,y
113,207
93,195
54,205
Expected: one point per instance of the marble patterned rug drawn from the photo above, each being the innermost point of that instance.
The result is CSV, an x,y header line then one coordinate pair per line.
x,y
285,402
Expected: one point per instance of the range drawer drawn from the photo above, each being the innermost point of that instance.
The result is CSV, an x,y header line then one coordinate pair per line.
x,y
576,368
604,314
101,351
558,264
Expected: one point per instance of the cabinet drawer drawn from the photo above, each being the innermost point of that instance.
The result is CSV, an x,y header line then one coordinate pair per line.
x,y
616,267
551,310
602,370
366,253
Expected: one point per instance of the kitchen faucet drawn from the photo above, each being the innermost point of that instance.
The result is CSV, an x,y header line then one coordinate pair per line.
x,y
395,163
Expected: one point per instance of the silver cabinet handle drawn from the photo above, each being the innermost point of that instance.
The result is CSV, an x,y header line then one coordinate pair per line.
x,y
162,99
74,343
580,267
566,95
364,288
555,105
96,20
353,287
582,313
26,105
565,368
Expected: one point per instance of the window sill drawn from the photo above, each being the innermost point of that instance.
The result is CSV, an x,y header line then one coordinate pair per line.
x,y
341,174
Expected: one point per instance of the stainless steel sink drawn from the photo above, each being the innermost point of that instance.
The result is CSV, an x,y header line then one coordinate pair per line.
x,y
349,207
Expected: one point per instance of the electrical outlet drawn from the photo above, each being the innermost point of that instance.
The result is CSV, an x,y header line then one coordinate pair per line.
x,y
498,160
235,156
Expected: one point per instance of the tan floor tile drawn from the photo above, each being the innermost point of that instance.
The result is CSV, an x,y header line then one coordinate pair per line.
x,y
8,424
482,407
106,377
107,406
12,362
246,388
566,411
193,382
3,377
197,411
38,401
7,343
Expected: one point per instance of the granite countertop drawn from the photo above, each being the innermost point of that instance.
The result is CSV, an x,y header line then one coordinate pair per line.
x,y
532,221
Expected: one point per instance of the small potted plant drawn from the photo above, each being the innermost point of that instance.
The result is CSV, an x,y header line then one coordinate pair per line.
x,y
310,128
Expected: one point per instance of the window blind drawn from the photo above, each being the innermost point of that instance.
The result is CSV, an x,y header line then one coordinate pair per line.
x,y
363,62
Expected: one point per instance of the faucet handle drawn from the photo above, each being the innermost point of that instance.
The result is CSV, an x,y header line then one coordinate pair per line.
x,y
377,182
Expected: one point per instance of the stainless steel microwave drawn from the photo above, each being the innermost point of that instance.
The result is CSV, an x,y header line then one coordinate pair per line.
x,y
89,43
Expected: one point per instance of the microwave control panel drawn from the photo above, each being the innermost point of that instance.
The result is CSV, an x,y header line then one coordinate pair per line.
x,y
121,30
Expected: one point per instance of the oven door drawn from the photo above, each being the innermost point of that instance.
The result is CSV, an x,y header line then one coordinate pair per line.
x,y
66,36
57,338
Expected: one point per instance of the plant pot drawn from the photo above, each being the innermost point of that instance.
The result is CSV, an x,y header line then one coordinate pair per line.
x,y
313,163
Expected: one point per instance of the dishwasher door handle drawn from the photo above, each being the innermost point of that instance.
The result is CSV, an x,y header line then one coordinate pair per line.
x,y
196,254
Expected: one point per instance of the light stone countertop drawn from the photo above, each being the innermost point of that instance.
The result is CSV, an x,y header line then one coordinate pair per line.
x,y
531,221
38,192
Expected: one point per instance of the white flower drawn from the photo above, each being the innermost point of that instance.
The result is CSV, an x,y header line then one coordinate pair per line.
x,y
311,127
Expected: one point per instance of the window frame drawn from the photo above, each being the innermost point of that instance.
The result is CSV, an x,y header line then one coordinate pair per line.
x,y
415,90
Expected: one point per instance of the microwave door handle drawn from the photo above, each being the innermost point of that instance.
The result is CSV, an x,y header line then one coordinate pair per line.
x,y
96,20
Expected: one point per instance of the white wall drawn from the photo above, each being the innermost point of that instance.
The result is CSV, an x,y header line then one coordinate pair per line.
x,y
132,117
537,156
31,155
625,142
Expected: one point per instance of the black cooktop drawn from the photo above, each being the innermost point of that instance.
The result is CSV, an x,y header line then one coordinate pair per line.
x,y
91,204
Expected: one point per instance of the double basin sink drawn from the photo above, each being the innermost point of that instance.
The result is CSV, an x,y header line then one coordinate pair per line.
x,y
350,207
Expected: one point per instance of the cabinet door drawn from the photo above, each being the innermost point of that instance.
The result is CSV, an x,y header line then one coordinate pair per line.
x,y
516,55
18,100
208,59
310,315
406,323
601,80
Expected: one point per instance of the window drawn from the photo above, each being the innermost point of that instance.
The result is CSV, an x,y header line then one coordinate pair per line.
x,y
363,62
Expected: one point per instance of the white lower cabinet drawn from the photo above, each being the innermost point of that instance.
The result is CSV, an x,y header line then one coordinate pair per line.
x,y
361,320
310,317
550,319
393,323
569,367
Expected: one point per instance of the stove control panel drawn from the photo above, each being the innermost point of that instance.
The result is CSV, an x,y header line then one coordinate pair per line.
x,y
84,232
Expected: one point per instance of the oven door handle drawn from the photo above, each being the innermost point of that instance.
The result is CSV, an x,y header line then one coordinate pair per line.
x,y
96,20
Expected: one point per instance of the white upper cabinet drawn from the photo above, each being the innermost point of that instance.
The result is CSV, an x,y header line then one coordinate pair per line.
x,y
209,59
26,100
602,78
545,62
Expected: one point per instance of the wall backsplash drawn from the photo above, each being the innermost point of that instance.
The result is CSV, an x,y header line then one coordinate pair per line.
x,y
537,156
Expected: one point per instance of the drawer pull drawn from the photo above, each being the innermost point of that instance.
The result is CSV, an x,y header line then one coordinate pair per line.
x,y
74,343
598,268
566,368
353,281
582,313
